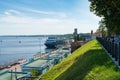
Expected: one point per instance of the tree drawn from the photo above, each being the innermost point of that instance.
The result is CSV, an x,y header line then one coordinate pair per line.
x,y
34,72
109,10
102,28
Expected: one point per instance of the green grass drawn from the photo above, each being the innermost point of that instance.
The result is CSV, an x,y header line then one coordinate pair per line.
x,y
90,62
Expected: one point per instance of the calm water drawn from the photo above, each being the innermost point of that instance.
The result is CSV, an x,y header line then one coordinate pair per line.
x,y
14,48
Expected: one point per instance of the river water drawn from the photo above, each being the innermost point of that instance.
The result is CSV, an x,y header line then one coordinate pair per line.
x,y
14,48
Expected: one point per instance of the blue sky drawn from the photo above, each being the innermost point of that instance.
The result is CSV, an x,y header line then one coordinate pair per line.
x,y
34,17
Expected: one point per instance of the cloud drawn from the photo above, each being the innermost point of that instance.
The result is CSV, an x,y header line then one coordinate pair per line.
x,y
61,14
28,20
7,13
39,11
29,25
50,13
16,17
12,12
23,12
43,21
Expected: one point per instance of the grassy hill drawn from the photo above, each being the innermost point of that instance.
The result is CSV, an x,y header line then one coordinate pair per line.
x,y
90,62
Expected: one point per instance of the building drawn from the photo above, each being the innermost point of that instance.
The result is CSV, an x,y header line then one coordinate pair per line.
x,y
75,34
94,35
58,55
10,75
42,65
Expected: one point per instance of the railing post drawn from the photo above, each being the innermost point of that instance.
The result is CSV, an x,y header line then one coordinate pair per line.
x,y
116,51
108,46
112,49
119,54
104,43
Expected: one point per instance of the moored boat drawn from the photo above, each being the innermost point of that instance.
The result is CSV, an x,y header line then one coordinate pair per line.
x,y
51,42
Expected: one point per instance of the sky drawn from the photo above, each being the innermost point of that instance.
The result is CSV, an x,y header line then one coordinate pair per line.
x,y
39,17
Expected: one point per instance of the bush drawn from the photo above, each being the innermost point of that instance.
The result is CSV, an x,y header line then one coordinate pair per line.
x,y
34,72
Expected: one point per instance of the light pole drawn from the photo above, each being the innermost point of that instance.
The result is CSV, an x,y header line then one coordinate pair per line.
x,y
0,46
108,14
40,44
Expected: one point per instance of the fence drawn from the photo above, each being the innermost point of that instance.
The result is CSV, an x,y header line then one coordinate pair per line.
x,y
111,47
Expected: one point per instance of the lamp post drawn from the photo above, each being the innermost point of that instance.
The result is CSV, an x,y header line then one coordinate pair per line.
x,y
108,14
39,53
40,44
0,46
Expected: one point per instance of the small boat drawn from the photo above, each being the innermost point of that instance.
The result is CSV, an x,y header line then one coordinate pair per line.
x,y
19,41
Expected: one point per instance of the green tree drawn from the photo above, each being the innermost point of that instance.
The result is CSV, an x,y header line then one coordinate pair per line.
x,y
109,10
34,72
102,28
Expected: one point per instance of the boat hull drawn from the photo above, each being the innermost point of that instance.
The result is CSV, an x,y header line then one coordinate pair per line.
x,y
51,45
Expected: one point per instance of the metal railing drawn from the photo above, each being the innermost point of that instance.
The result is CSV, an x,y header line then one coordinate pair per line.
x,y
112,48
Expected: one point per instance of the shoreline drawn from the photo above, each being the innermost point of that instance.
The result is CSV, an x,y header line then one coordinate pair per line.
x,y
16,64
13,65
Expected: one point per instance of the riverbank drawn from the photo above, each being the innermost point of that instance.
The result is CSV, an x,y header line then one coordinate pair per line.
x,y
16,64
13,65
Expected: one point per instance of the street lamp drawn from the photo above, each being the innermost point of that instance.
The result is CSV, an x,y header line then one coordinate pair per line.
x,y
0,46
40,44
108,14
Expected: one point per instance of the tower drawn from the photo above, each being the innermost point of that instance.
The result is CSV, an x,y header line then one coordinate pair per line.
x,y
75,34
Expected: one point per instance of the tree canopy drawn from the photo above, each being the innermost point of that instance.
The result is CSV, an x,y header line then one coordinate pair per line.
x,y
109,10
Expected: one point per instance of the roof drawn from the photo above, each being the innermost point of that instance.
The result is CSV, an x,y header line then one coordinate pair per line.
x,y
54,55
7,76
96,34
36,63
59,52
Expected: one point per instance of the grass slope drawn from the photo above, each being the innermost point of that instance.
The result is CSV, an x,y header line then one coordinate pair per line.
x,y
90,62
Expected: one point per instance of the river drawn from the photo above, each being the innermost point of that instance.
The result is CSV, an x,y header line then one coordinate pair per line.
x,y
16,47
